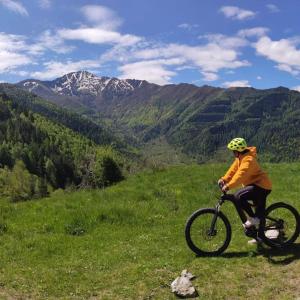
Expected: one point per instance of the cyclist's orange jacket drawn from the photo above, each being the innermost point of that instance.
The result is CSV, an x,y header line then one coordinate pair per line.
x,y
246,171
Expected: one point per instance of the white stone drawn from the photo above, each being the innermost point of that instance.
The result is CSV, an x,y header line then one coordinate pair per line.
x,y
183,287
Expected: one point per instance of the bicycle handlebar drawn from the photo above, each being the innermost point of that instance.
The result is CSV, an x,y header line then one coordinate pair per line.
x,y
221,186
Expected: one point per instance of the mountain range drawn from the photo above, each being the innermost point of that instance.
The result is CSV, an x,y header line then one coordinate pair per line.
x,y
196,121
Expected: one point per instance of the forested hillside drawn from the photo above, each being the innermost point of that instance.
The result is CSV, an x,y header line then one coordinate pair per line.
x,y
38,155
97,132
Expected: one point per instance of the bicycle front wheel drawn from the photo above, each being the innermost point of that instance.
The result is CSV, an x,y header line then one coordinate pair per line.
x,y
281,225
205,239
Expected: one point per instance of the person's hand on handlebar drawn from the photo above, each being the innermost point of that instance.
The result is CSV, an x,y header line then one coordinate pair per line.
x,y
225,188
221,183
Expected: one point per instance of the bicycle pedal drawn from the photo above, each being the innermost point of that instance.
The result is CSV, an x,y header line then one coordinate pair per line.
x,y
251,232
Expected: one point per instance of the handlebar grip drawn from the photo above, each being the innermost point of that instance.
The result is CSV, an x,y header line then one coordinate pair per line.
x,y
221,186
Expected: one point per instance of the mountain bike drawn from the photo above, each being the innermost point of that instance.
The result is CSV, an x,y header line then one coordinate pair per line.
x,y
208,230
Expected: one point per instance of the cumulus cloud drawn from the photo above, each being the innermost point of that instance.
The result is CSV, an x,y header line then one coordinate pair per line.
x,y
105,22
101,16
273,8
208,76
12,52
15,6
253,32
284,52
219,53
95,35
229,42
237,83
16,51
210,57
236,13
10,60
54,69
287,68
152,70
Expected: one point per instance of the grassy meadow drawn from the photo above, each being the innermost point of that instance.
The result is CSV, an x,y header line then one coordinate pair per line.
x,y
127,241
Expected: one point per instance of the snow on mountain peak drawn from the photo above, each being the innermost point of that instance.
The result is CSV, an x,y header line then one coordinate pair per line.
x,y
31,85
84,82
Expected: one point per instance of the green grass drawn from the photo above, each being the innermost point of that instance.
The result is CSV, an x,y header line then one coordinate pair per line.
x,y
127,241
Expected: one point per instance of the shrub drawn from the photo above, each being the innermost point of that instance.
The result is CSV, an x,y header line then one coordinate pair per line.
x,y
78,225
101,169
20,183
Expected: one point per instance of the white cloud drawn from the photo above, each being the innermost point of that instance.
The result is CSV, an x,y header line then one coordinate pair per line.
x,y
12,52
273,8
237,83
236,13
283,52
10,60
11,42
253,32
102,16
95,35
208,76
53,42
259,78
103,30
217,53
209,58
45,3
15,6
188,26
153,71
20,73
296,88
228,42
54,69
287,68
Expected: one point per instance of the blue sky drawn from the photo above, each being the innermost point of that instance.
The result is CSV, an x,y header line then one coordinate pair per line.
x,y
220,43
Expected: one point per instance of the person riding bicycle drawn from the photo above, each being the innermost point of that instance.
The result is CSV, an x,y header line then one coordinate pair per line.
x,y
246,171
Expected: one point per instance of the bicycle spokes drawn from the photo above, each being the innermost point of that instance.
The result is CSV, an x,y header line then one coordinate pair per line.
x,y
281,225
208,232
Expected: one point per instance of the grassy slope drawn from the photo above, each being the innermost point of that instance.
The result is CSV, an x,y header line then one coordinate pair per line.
x,y
134,244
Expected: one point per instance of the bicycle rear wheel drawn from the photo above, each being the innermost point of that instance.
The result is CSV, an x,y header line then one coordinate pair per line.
x,y
281,225
199,234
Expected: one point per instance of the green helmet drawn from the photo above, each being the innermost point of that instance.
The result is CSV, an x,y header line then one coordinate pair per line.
x,y
237,144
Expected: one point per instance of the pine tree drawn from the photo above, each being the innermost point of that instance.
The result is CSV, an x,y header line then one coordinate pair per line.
x,y
20,183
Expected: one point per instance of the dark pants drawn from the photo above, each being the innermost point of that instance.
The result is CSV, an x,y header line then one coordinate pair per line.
x,y
258,196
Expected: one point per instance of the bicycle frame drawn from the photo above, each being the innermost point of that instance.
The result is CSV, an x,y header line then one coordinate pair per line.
x,y
251,232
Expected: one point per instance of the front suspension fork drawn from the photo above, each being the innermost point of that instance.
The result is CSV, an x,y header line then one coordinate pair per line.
x,y
212,230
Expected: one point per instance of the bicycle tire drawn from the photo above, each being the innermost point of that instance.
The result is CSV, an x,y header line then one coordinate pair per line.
x,y
276,242
192,245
